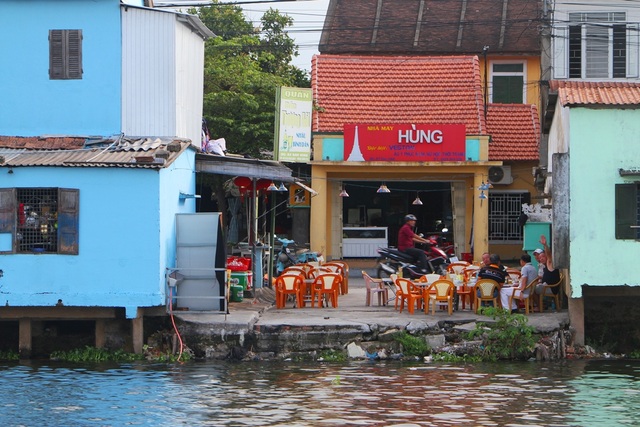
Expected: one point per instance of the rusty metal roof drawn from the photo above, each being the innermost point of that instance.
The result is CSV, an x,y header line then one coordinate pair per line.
x,y
126,152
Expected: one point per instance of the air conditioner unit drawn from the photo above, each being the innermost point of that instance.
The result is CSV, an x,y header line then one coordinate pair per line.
x,y
500,175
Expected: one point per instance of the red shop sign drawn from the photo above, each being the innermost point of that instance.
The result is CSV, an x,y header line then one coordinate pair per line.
x,y
404,143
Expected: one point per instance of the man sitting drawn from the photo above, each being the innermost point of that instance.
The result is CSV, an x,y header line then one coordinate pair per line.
x,y
494,271
528,274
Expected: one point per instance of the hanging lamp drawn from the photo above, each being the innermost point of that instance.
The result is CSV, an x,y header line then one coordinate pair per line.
x,y
383,189
417,201
272,187
343,193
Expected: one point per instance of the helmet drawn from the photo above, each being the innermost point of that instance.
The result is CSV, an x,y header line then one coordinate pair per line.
x,y
410,217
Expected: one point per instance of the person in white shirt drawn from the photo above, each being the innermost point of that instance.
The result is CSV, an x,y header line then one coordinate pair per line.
x,y
528,274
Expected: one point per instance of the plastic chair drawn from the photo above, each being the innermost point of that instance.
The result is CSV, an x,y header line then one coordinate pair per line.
x,y
429,278
326,286
295,270
514,275
345,275
375,286
440,292
527,300
457,267
410,293
547,291
484,291
339,268
289,284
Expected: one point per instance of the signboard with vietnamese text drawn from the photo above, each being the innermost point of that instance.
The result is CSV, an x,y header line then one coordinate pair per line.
x,y
293,124
404,142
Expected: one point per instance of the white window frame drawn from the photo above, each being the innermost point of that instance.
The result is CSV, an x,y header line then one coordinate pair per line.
x,y
493,74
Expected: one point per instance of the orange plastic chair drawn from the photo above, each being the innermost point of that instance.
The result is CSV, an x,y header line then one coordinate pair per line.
x,y
289,284
375,287
547,292
440,292
294,269
529,290
457,267
326,286
411,293
338,268
345,275
484,291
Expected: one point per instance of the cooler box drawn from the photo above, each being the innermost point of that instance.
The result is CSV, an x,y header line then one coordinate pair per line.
x,y
242,278
237,293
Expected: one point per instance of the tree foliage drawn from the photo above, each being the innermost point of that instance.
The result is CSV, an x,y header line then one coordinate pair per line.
x,y
242,71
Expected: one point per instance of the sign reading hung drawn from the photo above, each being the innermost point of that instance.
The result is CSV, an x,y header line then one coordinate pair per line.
x,y
404,142
293,124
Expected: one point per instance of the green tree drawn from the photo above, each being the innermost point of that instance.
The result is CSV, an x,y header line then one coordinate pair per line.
x,y
242,72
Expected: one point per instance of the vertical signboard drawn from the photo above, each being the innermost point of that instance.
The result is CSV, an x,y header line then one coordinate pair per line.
x,y
293,124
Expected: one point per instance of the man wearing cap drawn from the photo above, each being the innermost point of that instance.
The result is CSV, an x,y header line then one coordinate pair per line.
x,y
547,273
406,242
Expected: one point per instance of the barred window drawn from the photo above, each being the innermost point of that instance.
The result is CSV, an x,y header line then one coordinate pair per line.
x,y
628,211
504,213
39,220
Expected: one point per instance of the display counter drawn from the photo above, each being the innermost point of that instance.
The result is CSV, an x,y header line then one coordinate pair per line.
x,y
363,242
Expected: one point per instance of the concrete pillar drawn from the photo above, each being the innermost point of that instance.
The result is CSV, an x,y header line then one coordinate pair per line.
x,y
480,218
576,318
320,231
101,338
24,338
137,332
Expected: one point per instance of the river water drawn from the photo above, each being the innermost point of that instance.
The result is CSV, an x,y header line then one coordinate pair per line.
x,y
568,393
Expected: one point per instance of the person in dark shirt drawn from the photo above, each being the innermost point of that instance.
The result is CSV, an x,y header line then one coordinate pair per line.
x,y
550,275
407,239
494,271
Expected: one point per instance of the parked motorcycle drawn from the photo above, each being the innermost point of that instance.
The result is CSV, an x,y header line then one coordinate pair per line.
x,y
286,256
391,261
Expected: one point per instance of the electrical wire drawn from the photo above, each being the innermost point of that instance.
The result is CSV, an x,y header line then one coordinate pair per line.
x,y
173,322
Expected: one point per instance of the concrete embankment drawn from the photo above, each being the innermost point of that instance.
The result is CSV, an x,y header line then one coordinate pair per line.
x,y
254,328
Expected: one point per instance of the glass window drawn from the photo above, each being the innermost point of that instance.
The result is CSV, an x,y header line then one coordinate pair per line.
x,y
627,211
507,83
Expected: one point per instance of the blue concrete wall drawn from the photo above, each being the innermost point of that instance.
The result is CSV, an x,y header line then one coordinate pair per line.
x,y
126,238
90,106
602,142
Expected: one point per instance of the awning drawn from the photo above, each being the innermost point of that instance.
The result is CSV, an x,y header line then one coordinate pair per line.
x,y
629,172
238,166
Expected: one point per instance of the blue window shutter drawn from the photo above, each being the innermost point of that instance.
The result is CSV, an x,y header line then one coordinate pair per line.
x,y
68,209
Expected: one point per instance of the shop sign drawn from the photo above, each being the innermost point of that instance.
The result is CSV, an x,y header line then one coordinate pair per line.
x,y
293,124
404,142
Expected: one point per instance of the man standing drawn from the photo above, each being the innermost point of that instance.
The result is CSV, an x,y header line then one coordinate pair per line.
x,y
406,242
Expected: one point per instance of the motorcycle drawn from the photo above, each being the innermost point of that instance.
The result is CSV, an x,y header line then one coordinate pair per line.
x,y
286,256
442,243
391,261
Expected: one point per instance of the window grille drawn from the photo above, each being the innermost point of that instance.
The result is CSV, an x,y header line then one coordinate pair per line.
x,y
37,220
504,214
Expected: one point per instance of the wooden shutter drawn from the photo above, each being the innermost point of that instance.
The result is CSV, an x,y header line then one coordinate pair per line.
x,y
65,54
626,210
68,209
8,214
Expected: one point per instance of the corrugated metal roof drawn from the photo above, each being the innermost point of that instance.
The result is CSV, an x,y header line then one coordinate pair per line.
x,y
150,153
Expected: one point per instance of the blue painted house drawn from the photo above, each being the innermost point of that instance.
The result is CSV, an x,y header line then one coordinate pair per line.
x,y
99,128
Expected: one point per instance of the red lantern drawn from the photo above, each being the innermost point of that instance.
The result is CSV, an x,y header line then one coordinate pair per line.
x,y
263,184
242,182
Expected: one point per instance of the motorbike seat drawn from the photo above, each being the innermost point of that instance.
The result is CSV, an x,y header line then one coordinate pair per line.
x,y
401,255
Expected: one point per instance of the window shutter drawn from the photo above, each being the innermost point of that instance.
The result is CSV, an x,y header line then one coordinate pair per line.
x,y
626,210
633,45
8,213
74,68
56,55
68,209
560,46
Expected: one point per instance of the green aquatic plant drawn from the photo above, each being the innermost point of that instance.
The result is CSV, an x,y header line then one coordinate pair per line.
x,y
508,336
93,354
9,355
411,345
454,358
332,356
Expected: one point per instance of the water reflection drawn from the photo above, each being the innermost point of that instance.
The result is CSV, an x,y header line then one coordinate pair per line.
x,y
575,393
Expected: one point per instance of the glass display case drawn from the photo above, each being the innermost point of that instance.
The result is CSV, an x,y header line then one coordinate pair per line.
x,y
363,242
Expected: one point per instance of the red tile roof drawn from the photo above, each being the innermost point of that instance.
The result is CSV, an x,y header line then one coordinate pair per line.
x,y
414,27
596,93
515,131
398,89
42,142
